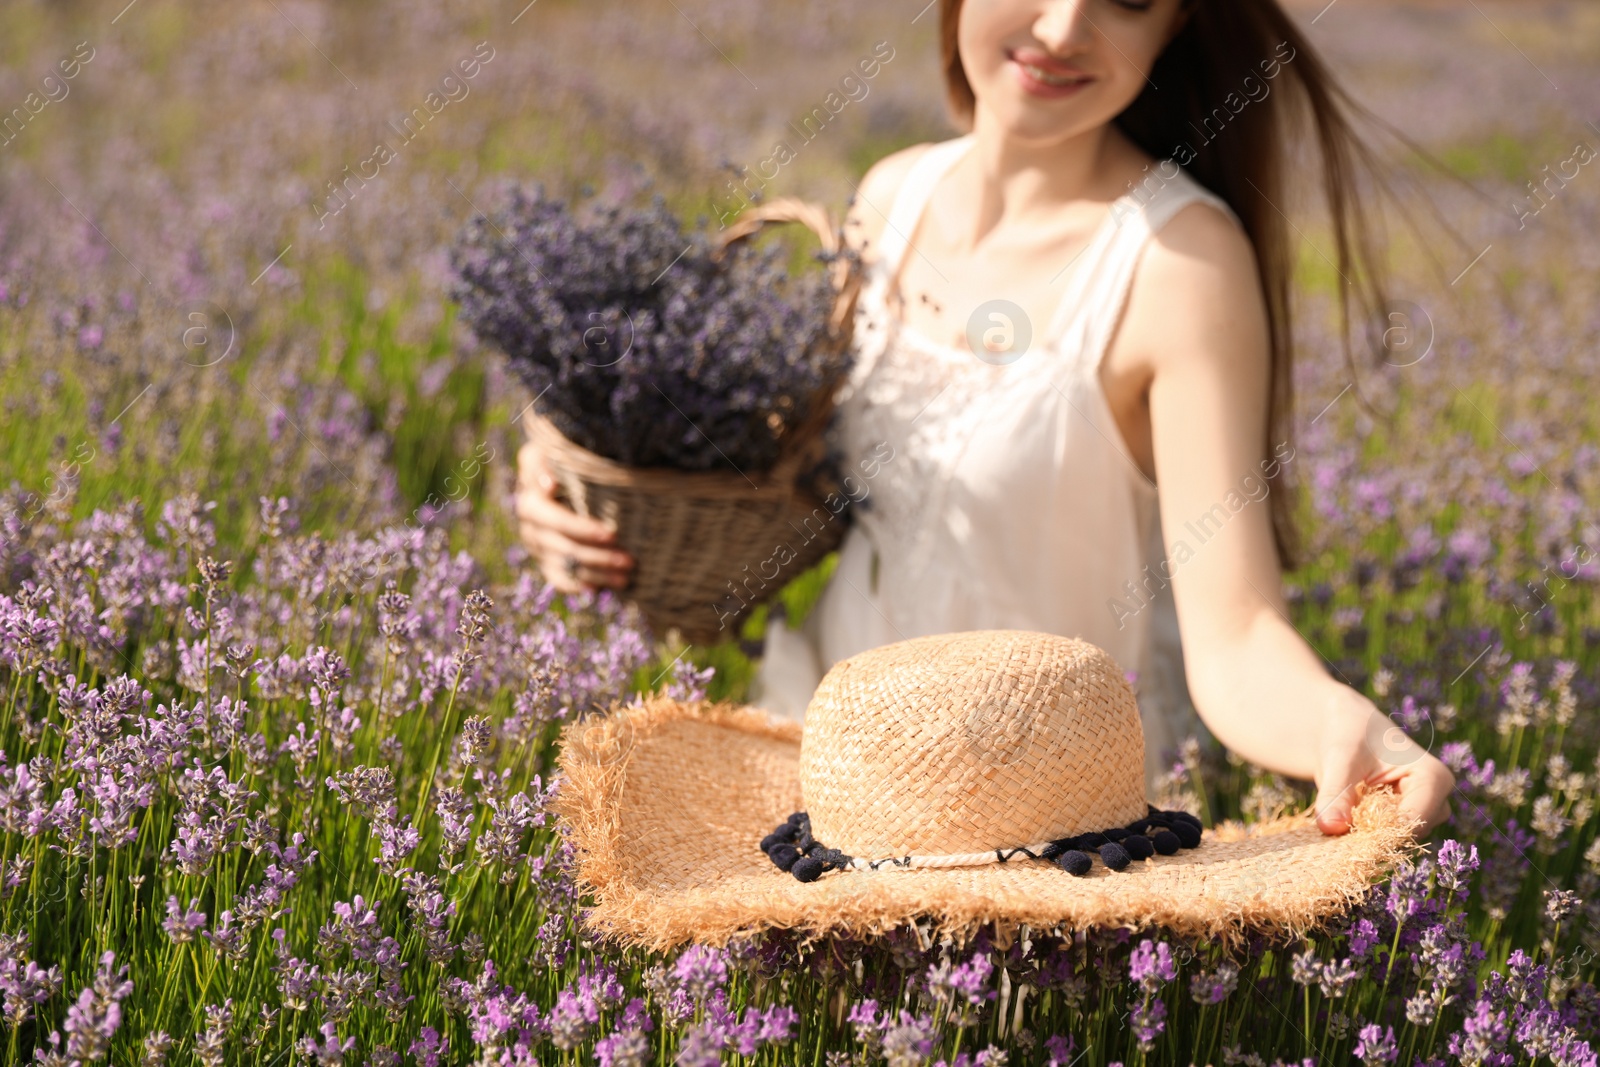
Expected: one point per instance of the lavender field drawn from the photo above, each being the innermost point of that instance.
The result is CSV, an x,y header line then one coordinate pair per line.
x,y
279,691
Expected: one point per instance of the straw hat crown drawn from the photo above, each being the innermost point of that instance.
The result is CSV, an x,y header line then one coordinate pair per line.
x,y
960,743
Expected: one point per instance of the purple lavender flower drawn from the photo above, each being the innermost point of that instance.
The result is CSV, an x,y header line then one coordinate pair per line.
x,y
1335,978
633,332
329,1052
430,1048
1454,865
1059,1049
701,1046
1215,987
297,979
1305,968
94,1019
1376,1045
1559,903
156,1046
1151,965
210,1043
1483,1037
504,1023
23,982
1148,1020
863,1019
1363,936
431,912
701,970
624,1048
627,1046
1572,1051
688,684
577,1010
181,925
1408,889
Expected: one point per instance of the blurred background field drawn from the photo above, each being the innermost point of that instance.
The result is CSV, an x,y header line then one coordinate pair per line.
x,y
197,298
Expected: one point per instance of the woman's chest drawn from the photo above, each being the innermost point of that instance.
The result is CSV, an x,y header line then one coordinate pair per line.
x,y
960,427
1019,311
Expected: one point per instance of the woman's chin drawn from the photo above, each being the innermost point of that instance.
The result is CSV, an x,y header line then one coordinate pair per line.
x,y
1025,123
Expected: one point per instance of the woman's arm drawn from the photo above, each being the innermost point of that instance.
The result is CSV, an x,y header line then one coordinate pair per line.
x,y
1197,313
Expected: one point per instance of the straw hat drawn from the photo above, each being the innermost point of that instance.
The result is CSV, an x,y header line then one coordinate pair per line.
x,y
968,778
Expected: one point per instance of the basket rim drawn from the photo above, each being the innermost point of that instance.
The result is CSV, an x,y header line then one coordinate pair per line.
x,y
599,470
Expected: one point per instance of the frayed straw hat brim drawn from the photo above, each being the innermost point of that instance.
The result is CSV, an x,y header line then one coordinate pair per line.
x,y
665,804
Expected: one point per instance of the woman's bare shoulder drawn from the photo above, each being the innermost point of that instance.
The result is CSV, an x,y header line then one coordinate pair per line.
x,y
1197,290
869,204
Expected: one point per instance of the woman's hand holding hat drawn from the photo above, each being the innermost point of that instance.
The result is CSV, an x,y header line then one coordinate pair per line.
x,y
1360,744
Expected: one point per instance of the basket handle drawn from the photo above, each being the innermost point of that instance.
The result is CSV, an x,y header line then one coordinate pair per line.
x,y
846,278
816,217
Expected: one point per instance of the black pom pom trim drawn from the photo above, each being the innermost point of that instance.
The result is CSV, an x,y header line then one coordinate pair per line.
x,y
1114,856
792,848
1166,842
1074,862
807,869
1138,846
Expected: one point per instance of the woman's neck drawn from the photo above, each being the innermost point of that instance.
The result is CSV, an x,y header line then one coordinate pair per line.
x,y
1020,187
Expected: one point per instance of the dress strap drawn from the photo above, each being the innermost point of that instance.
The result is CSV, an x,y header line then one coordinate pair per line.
x,y
912,196
1089,318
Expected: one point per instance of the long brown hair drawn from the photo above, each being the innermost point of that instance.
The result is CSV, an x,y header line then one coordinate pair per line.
x,y
1247,163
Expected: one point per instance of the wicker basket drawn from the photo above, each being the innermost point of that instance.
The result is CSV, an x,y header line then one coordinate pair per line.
x,y
709,546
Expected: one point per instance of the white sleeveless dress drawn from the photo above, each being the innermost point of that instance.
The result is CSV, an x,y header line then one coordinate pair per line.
x,y
1010,500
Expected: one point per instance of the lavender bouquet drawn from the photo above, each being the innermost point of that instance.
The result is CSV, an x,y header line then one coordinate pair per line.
x,y
642,345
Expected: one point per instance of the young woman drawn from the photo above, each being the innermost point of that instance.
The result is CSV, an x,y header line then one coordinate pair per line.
x,y
1074,348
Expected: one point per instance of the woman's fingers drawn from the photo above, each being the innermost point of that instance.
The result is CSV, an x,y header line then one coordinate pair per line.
x,y
1424,787
582,579
1336,793
1425,794
536,501
543,510
594,556
576,553
568,564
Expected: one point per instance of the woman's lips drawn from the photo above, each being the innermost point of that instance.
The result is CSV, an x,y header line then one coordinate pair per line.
x,y
1032,77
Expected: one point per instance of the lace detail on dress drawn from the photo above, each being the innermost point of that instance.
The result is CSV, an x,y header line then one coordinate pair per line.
x,y
926,401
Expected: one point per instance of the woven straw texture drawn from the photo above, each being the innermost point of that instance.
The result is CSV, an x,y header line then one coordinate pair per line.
x,y
970,742
695,535
710,545
666,803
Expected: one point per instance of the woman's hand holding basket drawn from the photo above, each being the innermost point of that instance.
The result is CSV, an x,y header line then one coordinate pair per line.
x,y
576,553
